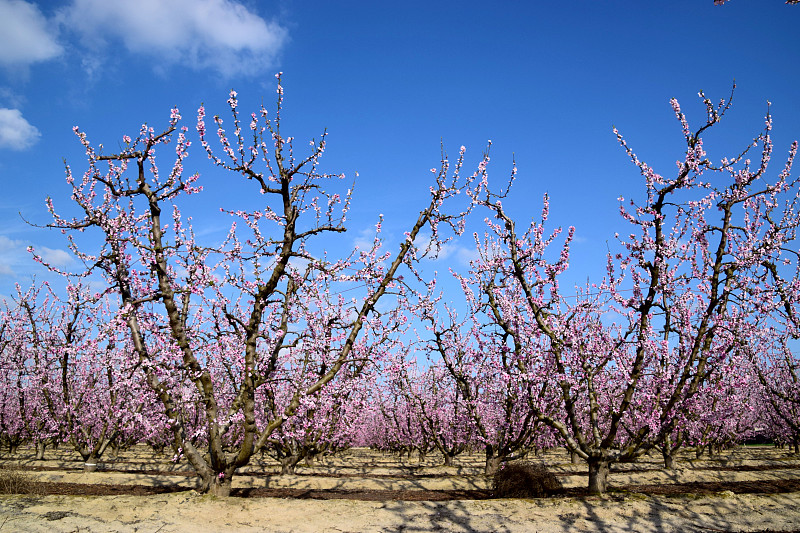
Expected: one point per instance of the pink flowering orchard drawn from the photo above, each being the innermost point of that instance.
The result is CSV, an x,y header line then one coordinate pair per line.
x,y
775,365
71,379
434,405
264,342
619,365
491,391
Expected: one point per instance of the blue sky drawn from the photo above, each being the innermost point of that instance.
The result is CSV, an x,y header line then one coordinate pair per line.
x,y
545,81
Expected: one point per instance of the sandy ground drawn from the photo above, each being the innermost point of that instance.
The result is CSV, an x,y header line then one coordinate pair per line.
x,y
190,511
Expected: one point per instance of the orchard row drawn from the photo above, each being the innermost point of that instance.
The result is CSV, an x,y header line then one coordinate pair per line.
x,y
257,345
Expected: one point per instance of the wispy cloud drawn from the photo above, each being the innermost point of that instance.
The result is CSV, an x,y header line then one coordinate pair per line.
x,y
16,133
11,98
221,35
26,36
16,261
451,252
10,250
365,239
56,258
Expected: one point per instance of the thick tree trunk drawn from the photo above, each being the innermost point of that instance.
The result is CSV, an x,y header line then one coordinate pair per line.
x,y
448,459
40,447
90,463
493,462
213,480
667,452
598,476
574,458
403,451
669,459
220,486
698,453
289,463
115,449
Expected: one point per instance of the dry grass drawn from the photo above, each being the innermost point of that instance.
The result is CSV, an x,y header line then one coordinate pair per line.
x,y
524,479
15,481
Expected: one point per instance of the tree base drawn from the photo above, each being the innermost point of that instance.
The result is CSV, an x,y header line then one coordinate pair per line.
x,y
598,476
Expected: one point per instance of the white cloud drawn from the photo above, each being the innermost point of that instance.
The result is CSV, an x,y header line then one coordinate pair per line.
x,y
24,34
16,132
11,98
365,239
451,252
56,258
7,244
455,253
467,255
221,35
16,261
10,250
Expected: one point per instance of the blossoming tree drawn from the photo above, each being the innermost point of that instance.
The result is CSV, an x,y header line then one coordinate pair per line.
x,y
211,325
628,354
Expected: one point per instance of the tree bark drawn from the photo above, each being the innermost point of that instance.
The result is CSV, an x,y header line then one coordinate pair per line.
x,y
698,453
40,447
90,463
221,487
598,476
289,463
669,459
668,453
493,463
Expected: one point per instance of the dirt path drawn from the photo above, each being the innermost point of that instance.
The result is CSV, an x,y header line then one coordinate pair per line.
x,y
191,512
754,491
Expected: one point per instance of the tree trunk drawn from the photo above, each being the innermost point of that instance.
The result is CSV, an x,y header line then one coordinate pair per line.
x,y
669,458
90,463
448,459
698,453
221,486
493,463
40,447
598,476
574,458
289,463
667,452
